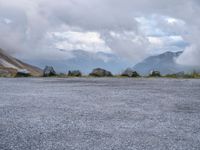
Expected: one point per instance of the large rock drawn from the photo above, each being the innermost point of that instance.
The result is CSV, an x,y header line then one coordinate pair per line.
x,y
75,73
98,72
155,74
23,73
130,73
49,71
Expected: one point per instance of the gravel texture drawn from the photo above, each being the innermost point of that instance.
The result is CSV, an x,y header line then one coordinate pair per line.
x,y
99,114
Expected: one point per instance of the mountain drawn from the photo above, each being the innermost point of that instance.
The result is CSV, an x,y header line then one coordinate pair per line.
x,y
85,61
165,63
10,65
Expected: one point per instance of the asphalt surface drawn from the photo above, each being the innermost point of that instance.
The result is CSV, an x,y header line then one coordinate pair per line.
x,y
99,114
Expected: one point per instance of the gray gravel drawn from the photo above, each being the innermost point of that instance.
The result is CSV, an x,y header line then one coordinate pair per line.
x,y
99,114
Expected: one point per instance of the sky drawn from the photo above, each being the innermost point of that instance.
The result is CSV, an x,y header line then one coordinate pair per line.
x,y
131,29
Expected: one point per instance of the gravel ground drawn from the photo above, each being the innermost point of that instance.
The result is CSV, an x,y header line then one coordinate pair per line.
x,y
99,114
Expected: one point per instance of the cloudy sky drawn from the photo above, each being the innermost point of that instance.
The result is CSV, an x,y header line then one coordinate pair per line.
x,y
131,29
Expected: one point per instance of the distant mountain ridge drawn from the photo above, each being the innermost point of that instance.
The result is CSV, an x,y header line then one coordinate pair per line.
x,y
11,65
165,63
85,61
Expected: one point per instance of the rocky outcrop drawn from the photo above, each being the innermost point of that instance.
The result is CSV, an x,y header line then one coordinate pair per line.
x,y
75,73
99,72
23,73
49,71
130,73
155,74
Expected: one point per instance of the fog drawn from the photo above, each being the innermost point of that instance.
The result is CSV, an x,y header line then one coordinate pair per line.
x,y
132,29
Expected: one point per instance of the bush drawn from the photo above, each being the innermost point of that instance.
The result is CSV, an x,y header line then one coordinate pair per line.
x,y
154,74
75,73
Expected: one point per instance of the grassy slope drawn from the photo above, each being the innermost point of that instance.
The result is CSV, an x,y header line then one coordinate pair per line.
x,y
18,64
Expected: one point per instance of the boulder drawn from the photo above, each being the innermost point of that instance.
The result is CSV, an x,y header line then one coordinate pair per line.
x,y
23,73
49,71
130,73
155,74
98,72
75,73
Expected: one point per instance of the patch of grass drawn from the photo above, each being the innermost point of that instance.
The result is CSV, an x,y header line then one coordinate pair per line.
x,y
193,75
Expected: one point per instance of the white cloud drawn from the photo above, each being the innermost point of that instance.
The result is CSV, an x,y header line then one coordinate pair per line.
x,y
165,40
156,41
131,28
190,57
73,40
6,21
171,21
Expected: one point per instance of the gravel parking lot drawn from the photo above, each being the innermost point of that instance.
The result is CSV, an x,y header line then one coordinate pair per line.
x,y
99,114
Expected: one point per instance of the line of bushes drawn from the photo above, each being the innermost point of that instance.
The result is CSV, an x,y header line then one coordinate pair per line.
x,y
99,72
192,75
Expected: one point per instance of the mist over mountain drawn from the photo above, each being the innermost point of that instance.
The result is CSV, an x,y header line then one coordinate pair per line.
x,y
85,61
165,63
131,29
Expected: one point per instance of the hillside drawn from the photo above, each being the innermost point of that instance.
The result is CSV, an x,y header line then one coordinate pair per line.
x,y
9,65
165,63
